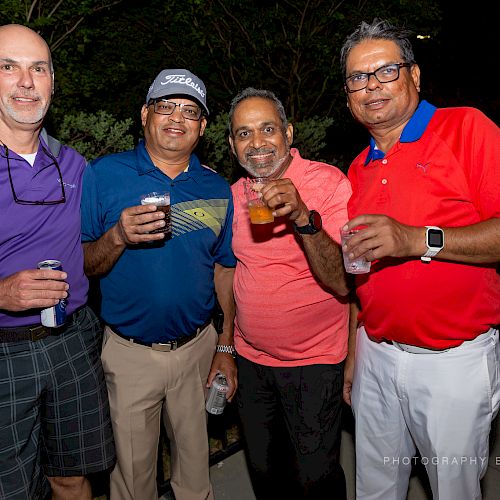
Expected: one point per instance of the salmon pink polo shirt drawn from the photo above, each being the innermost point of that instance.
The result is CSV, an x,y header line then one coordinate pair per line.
x,y
284,316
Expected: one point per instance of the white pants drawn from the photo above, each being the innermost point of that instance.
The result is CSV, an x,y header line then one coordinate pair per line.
x,y
441,404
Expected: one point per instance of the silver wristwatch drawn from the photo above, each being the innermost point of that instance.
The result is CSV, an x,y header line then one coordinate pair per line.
x,y
228,349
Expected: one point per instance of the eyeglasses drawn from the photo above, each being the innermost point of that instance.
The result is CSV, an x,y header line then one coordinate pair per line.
x,y
384,74
20,201
188,111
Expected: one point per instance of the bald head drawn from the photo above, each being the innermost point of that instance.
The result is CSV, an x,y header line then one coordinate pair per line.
x,y
17,33
26,79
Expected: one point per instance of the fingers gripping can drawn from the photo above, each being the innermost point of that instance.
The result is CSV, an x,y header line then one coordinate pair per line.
x,y
216,399
56,315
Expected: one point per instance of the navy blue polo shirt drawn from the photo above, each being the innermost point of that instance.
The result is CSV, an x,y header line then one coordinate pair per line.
x,y
159,291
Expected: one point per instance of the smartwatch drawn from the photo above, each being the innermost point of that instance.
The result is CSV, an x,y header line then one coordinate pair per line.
x,y
314,226
434,239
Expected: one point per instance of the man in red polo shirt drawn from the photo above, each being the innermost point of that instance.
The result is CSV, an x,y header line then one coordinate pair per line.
x,y
425,193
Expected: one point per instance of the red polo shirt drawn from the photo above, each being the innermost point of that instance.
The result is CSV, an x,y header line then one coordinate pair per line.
x,y
443,172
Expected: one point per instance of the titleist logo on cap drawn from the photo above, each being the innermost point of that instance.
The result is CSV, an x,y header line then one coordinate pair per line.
x,y
181,79
178,82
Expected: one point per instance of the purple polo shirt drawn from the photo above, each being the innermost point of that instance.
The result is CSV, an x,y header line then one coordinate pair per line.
x,y
32,233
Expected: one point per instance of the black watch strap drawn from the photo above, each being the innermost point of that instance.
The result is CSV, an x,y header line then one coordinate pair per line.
x,y
314,226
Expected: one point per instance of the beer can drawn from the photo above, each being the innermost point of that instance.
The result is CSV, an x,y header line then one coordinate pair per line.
x,y
56,315
216,399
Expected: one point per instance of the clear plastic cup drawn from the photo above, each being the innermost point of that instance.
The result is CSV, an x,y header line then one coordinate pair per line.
x,y
259,212
356,266
162,202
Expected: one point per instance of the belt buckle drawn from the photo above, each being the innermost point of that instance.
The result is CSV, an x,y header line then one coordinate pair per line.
x,y
416,349
38,332
167,347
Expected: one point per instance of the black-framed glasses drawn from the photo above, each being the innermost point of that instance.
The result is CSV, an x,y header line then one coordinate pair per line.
x,y
188,111
384,74
20,201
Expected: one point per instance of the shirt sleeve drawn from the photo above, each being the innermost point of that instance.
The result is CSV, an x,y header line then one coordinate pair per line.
x,y
223,254
334,208
92,227
481,152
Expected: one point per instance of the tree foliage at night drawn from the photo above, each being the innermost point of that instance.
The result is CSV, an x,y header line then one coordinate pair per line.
x,y
107,52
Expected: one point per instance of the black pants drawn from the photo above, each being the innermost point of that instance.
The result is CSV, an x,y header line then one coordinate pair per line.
x,y
291,423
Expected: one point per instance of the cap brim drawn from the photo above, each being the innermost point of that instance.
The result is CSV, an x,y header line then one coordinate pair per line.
x,y
183,96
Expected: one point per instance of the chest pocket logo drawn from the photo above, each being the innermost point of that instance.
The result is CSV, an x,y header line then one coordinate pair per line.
x,y
424,166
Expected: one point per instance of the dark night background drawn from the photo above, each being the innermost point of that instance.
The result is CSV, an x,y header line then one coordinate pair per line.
x,y
107,52
458,68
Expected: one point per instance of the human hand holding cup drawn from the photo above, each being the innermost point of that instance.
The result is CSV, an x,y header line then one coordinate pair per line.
x,y
162,202
354,266
259,212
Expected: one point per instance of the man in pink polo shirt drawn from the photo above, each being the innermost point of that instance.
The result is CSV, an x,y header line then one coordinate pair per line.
x,y
292,313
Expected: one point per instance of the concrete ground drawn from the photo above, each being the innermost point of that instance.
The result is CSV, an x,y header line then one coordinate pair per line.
x,y
231,481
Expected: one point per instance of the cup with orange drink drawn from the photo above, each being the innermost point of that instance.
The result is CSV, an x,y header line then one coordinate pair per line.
x,y
259,212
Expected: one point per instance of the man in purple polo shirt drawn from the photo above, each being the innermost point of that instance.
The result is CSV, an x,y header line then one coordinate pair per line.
x,y
54,414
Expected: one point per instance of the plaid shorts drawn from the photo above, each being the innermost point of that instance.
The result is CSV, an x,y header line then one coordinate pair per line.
x,y
54,412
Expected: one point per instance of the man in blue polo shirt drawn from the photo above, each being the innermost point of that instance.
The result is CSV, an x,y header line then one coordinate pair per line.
x,y
54,414
158,289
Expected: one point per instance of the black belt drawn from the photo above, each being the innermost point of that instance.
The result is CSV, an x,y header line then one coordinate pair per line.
x,y
33,332
171,345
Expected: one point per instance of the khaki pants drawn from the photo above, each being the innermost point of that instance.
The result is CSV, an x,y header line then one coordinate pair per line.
x,y
144,384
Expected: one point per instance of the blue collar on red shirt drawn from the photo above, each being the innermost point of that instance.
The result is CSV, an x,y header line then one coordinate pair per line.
x,y
412,132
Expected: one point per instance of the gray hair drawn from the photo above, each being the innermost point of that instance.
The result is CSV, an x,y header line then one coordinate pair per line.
x,y
264,94
379,29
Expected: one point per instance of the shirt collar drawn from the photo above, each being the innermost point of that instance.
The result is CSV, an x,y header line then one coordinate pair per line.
x,y
144,164
295,170
412,132
39,152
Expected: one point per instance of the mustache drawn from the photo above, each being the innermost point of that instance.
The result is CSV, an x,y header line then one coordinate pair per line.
x,y
175,126
259,151
25,93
